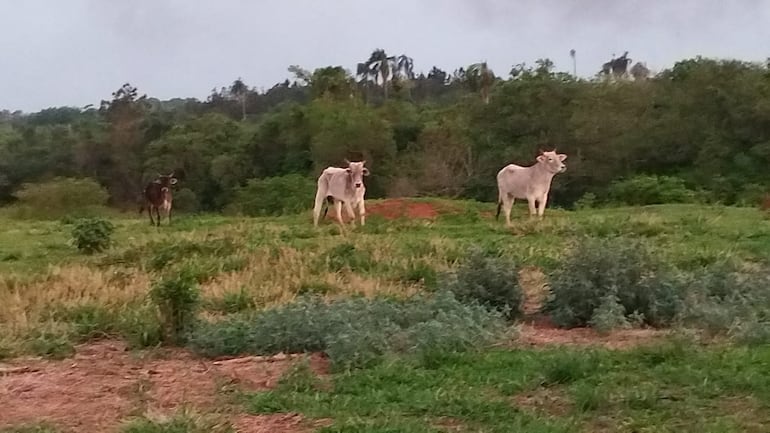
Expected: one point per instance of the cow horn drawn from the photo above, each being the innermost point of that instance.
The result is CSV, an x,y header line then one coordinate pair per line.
x,y
363,162
347,161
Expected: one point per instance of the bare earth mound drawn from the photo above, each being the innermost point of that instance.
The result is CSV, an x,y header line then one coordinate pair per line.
x,y
103,384
397,208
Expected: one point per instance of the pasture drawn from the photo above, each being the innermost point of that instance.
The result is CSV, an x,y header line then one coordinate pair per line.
x,y
86,325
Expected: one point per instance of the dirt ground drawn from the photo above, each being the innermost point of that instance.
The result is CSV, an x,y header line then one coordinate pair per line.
x,y
103,384
393,209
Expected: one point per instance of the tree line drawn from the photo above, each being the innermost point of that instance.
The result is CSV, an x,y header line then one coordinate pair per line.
x,y
703,122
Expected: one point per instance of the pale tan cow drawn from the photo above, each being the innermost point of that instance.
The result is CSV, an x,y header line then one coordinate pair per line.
x,y
532,183
342,186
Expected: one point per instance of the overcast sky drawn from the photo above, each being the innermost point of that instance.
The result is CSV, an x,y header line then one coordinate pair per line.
x,y
76,52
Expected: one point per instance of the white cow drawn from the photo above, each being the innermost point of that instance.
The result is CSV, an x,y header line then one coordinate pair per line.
x,y
532,183
342,186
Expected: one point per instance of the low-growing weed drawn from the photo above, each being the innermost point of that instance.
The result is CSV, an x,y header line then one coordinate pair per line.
x,y
488,280
607,277
177,298
354,332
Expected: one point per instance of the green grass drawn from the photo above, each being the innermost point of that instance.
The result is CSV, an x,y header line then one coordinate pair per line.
x,y
672,387
52,297
252,263
686,234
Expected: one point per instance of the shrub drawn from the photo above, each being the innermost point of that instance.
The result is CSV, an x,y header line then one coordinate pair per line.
x,y
92,235
490,281
353,332
587,201
177,298
725,301
347,256
185,200
60,197
274,196
598,269
644,190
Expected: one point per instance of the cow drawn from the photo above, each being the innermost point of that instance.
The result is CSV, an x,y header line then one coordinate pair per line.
x,y
157,197
532,183
342,186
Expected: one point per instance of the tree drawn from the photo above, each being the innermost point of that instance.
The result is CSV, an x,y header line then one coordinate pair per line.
x,y
381,69
239,90
481,77
124,116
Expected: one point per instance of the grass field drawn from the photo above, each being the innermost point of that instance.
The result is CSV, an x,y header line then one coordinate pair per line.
x,y
52,297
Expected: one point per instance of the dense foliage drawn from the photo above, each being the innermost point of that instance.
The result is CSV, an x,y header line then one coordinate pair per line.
x,y
702,125
354,332
605,282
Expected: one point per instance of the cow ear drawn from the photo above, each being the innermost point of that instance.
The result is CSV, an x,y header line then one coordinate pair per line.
x,y
348,170
562,157
541,158
173,181
366,171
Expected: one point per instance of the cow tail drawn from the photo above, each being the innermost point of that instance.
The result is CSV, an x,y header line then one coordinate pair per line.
x,y
328,201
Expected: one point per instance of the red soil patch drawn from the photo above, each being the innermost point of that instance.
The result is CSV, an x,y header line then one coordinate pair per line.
x,y
103,384
397,208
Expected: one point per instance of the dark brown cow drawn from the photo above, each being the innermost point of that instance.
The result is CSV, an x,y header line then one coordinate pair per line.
x,y
157,197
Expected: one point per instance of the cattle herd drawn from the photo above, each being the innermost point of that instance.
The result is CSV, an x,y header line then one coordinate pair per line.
x,y
345,187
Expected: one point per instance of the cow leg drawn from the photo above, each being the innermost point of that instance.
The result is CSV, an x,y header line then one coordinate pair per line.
x,y
338,212
362,212
351,214
507,205
541,205
532,209
150,208
319,202
157,216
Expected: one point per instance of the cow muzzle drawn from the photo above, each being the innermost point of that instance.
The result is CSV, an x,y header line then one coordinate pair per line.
x,y
358,185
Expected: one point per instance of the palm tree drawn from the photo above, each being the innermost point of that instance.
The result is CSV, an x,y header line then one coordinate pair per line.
x,y
481,76
239,89
381,68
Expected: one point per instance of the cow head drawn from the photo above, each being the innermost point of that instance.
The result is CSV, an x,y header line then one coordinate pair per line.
x,y
357,171
552,161
166,181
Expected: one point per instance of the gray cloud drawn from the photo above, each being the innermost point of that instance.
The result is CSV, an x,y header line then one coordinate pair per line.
x,y
79,51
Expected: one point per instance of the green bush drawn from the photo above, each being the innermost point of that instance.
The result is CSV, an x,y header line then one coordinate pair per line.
x,y
490,281
353,332
60,197
186,201
644,190
177,298
346,256
274,196
730,302
92,235
598,269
